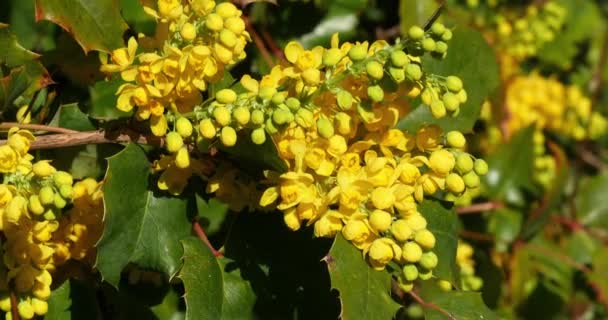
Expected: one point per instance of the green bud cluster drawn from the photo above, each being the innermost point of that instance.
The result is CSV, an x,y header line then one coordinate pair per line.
x,y
54,193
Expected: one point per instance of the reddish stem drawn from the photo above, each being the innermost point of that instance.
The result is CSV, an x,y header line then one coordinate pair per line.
x,y
259,43
37,127
14,309
430,305
476,236
480,207
200,232
273,46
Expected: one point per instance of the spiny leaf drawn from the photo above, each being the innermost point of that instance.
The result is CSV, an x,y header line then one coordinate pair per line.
x,y
364,292
213,292
141,227
96,25
453,304
443,223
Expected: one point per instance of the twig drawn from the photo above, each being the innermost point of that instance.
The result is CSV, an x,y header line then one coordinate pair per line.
x,y
14,309
273,46
590,158
430,305
259,43
90,137
434,17
37,127
476,236
200,232
480,207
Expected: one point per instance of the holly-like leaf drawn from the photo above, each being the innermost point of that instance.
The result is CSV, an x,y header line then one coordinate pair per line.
x,y
27,75
212,291
505,224
364,292
471,59
96,25
140,226
134,14
212,213
511,168
591,205
453,304
443,223
72,300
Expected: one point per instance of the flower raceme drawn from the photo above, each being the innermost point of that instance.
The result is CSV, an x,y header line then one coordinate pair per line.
x,y
39,235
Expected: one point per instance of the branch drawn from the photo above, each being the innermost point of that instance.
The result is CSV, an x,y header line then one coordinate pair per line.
x,y
200,232
14,309
430,305
91,137
36,127
480,207
259,43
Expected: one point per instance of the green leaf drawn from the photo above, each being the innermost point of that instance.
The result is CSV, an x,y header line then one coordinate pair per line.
x,y
364,292
471,59
103,101
32,35
591,204
96,25
26,76
72,300
212,213
505,224
71,117
415,12
81,69
600,269
169,308
443,223
255,156
453,304
211,291
134,14
140,226
581,246
511,168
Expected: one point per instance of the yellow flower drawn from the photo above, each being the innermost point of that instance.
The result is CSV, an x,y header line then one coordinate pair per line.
x,y
382,251
122,57
8,159
328,225
295,188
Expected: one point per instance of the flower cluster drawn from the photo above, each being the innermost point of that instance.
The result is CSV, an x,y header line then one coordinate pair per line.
x,y
551,105
34,222
519,33
196,42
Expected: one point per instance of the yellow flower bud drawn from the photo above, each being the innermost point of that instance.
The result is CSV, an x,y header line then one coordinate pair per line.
x,y
343,123
222,53
235,24
411,252
444,285
327,226
5,303
183,127
241,115
409,173
226,96
15,208
324,128
59,202
410,272
304,118
442,161
438,109
424,274
374,69
66,191
382,198
43,168
429,260
416,222
41,291
345,100
257,117
357,52
380,252
228,38
40,307
332,56
207,129
453,83
174,142
455,183
182,158
481,167
258,136
25,309
464,163
355,231
34,205
380,220
24,115
214,22
226,10
62,178
425,239
46,195
471,180
188,31
228,136
401,230
292,221
456,139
